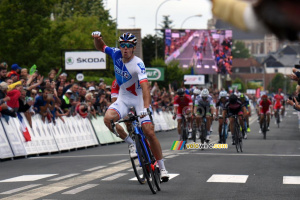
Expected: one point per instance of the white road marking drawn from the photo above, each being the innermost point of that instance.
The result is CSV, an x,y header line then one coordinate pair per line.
x,y
63,177
21,189
248,154
171,177
113,177
227,178
27,178
81,156
171,156
291,180
65,184
130,170
117,162
80,189
94,168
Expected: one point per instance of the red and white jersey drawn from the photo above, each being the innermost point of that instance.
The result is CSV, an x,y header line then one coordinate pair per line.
x,y
115,89
187,101
278,99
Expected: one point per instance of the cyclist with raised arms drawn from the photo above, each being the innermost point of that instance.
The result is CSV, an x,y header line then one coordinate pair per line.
x,y
134,92
234,107
265,106
220,106
205,106
183,105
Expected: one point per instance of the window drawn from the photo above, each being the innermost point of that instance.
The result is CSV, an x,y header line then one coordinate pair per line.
x,y
276,70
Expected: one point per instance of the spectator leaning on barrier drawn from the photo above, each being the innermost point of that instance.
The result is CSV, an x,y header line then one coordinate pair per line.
x,y
44,104
66,104
14,97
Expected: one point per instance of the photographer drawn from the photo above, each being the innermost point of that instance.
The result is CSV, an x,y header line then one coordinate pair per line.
x,y
294,101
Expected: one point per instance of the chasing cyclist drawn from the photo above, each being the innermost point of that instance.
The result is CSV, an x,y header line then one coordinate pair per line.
x,y
265,107
134,92
183,105
278,101
234,107
220,106
245,100
204,106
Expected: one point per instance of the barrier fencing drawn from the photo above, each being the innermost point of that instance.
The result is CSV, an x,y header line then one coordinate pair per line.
x,y
75,132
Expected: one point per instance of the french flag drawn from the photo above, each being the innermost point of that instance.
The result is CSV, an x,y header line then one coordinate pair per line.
x,y
24,128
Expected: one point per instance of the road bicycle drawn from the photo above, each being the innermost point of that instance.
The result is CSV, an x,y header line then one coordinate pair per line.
x,y
238,136
264,126
224,132
146,160
184,129
277,117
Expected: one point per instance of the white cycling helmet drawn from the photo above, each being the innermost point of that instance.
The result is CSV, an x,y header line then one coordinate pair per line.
x,y
204,93
223,94
196,91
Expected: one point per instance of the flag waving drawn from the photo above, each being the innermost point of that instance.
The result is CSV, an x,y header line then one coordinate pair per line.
x,y
24,128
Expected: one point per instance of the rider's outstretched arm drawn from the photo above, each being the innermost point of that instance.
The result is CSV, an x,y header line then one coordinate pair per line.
x,y
98,42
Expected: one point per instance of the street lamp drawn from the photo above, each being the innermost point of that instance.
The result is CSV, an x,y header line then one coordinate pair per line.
x,y
117,2
199,15
156,25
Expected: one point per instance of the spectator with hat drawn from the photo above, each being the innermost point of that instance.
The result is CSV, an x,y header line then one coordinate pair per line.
x,y
15,69
66,101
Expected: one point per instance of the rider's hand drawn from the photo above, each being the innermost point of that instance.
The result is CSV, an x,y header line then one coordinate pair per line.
x,y
96,34
143,113
174,117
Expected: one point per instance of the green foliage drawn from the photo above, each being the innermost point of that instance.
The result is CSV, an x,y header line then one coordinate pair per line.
x,y
239,81
149,48
279,81
239,50
173,73
29,36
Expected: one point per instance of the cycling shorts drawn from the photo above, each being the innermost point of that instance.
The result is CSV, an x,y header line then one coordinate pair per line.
x,y
262,111
122,108
277,106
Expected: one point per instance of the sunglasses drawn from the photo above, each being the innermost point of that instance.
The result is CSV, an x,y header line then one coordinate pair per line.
x,y
128,45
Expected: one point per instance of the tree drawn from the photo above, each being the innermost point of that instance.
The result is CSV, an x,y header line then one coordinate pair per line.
x,y
279,81
22,26
149,49
149,43
239,50
239,81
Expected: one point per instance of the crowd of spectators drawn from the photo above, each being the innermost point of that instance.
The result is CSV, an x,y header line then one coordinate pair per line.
x,y
222,52
51,96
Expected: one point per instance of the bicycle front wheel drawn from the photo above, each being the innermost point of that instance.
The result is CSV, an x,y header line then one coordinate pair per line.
x,y
146,165
138,170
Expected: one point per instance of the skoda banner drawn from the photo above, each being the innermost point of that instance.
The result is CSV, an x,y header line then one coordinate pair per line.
x,y
83,60
155,74
194,79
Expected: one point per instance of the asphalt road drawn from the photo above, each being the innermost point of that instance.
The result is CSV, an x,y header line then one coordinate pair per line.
x,y
267,169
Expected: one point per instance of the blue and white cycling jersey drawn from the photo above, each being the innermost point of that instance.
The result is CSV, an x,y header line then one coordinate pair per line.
x,y
129,76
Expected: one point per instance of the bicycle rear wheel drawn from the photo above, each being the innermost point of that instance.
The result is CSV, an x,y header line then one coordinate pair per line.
x,y
203,133
194,129
148,173
236,137
241,141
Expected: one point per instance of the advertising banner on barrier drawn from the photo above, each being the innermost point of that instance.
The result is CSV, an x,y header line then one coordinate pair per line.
x,y
67,131
39,138
13,138
102,132
58,136
5,150
87,128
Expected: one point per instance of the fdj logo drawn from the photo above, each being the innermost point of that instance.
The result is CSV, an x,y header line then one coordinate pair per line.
x,y
142,67
70,61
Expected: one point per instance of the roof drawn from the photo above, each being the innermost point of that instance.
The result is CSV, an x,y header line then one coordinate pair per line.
x,y
238,34
245,62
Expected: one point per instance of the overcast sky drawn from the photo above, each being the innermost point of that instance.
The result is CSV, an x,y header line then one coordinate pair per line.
x,y
144,12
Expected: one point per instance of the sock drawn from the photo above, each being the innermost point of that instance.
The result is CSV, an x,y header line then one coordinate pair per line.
x,y
161,164
129,140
